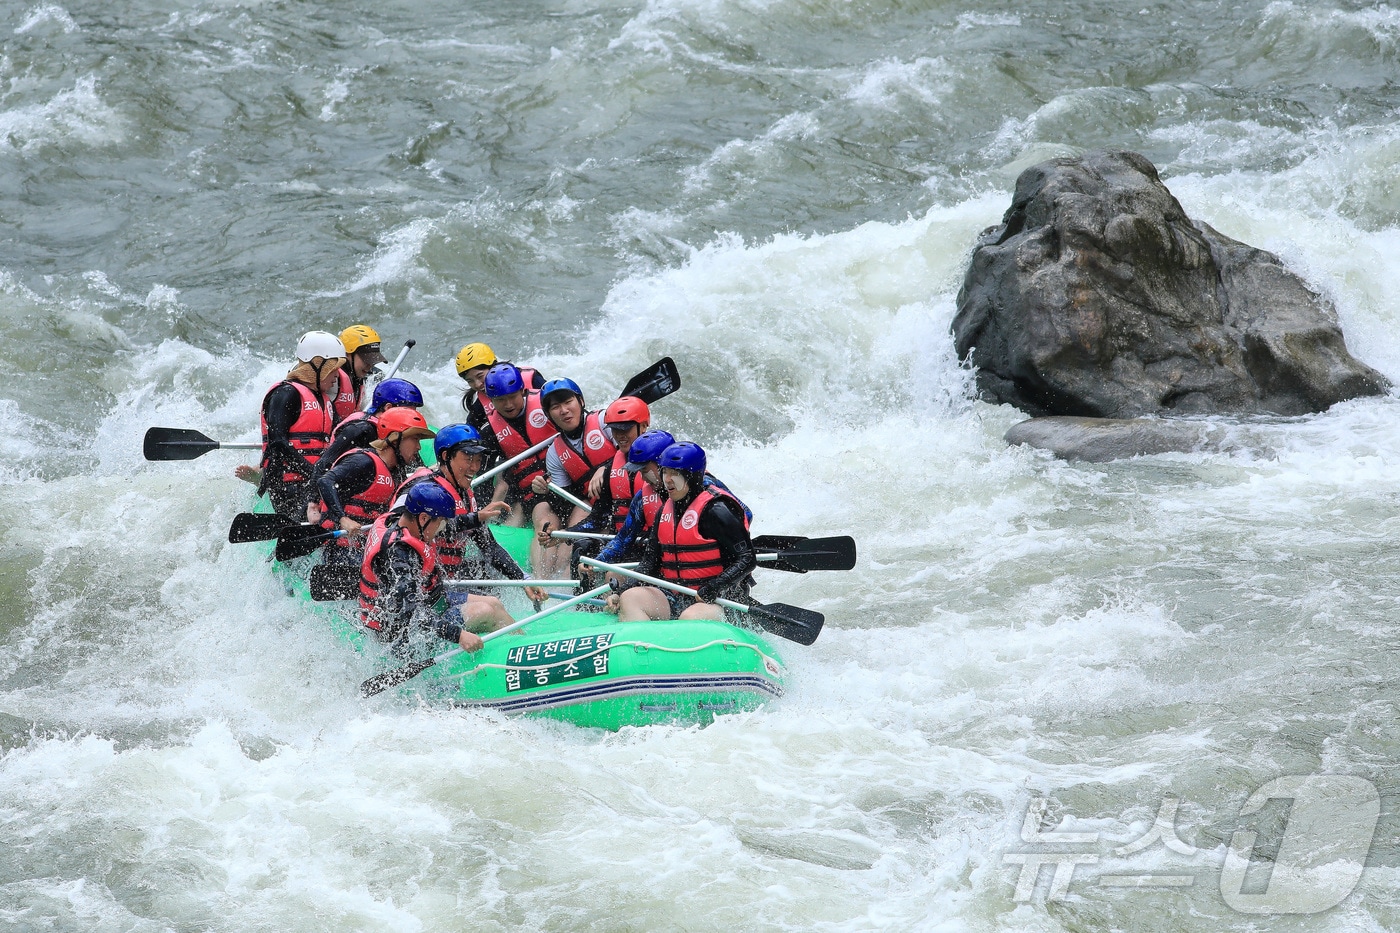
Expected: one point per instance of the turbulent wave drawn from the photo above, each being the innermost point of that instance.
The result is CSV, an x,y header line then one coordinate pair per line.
x,y
781,196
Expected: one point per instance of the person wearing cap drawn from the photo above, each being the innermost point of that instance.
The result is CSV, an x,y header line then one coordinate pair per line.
x,y
700,540
473,362
297,416
401,584
460,452
361,429
362,348
360,485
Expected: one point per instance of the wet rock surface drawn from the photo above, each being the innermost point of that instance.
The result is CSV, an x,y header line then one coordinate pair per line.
x,y
1097,296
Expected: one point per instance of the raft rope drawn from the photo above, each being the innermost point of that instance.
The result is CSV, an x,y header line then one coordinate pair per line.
x,y
646,646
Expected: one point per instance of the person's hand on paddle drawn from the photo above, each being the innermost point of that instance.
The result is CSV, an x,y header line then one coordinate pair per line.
x,y
469,641
612,601
313,513
595,485
536,594
540,485
545,538
706,593
351,527
492,510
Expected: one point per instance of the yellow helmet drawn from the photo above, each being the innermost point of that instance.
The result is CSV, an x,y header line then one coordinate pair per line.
x,y
358,335
473,355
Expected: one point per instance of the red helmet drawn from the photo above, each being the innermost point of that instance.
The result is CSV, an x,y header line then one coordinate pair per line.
x,y
406,421
627,408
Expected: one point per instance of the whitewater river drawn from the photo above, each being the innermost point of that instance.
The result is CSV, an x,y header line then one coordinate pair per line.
x,y
782,195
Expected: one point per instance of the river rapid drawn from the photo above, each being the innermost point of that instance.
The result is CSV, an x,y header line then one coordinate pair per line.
x,y
782,195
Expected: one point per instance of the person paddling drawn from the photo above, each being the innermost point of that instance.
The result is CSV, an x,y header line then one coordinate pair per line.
x,y
401,586
700,540
361,428
363,351
517,422
360,486
584,447
474,361
460,452
297,416
612,490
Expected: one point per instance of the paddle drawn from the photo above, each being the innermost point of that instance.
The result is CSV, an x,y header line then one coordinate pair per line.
x,y
776,552
791,622
183,444
382,682
300,540
255,526
569,497
655,382
799,555
465,584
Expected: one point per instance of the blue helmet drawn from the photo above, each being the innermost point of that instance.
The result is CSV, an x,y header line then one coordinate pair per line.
x,y
455,437
503,379
686,456
559,385
396,392
429,498
647,448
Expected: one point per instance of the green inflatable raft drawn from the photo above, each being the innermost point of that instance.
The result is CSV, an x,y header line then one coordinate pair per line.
x,y
587,668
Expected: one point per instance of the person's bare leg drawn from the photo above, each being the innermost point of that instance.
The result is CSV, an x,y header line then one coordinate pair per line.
x,y
550,563
642,603
484,614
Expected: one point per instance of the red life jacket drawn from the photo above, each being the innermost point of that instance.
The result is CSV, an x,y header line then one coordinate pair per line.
x,y
379,539
448,551
622,486
348,395
366,506
652,500
597,450
310,434
537,428
350,419
687,556
528,378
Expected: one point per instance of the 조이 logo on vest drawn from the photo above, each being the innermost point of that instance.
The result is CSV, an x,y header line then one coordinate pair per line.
x,y
689,520
538,418
594,440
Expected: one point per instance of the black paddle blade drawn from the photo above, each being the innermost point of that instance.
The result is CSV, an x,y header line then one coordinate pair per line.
x,y
381,682
253,526
299,540
791,622
659,380
330,582
837,553
176,444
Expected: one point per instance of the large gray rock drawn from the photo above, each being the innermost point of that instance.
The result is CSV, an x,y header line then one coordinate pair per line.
x,y
1097,295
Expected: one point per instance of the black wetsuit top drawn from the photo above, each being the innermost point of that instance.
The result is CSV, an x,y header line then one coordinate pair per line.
x,y
722,521
403,598
349,478
281,411
348,435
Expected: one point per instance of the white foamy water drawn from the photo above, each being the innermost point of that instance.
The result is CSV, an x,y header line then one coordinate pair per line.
x,y
755,192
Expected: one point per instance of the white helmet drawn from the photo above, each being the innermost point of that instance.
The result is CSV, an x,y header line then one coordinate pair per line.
x,y
319,343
